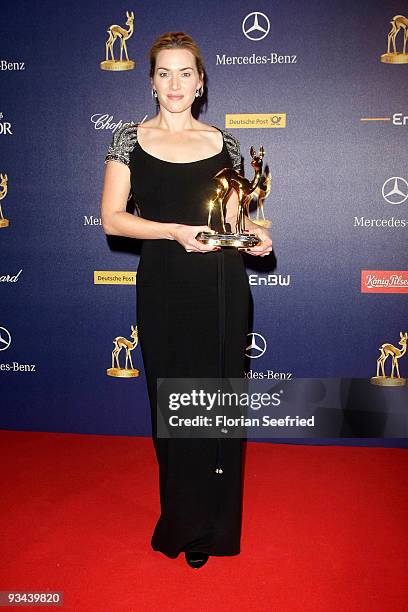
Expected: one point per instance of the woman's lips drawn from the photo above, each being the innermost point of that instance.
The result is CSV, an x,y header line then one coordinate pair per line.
x,y
175,97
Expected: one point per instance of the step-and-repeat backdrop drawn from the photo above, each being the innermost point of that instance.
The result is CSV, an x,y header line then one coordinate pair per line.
x,y
322,86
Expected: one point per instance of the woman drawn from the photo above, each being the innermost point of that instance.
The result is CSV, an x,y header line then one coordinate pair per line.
x,y
192,298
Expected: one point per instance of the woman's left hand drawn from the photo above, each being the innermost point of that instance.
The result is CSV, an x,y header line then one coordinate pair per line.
x,y
264,247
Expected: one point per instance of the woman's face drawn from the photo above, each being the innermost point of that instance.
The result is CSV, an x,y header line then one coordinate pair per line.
x,y
176,79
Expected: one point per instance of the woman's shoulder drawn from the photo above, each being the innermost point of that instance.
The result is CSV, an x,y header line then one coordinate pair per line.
x,y
127,130
123,142
233,148
231,143
230,139
213,128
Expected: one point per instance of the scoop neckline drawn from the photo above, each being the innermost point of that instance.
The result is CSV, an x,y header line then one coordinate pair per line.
x,y
197,161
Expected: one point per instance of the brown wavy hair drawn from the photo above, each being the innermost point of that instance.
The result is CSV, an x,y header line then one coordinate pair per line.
x,y
176,40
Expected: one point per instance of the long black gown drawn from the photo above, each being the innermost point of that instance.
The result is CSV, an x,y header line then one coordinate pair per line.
x,y
192,316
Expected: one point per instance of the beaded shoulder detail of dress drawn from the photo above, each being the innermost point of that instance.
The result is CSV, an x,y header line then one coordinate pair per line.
x,y
123,143
125,139
234,150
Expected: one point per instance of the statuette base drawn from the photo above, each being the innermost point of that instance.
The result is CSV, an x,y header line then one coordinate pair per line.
x,y
117,65
4,222
122,372
394,58
232,240
387,381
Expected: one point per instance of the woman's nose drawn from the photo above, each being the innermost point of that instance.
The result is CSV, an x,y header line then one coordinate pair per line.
x,y
174,83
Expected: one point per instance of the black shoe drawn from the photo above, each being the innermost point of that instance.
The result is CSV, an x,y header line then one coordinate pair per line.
x,y
196,559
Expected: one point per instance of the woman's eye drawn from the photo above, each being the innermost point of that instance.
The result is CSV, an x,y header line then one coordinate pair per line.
x,y
187,74
162,74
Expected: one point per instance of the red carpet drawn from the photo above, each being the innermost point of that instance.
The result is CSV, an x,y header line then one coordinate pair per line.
x,y
324,528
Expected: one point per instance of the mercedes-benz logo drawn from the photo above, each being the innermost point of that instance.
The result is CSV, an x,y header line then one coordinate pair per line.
x,y
395,190
5,339
257,346
256,26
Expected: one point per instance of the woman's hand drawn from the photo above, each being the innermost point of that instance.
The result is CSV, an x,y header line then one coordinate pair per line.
x,y
264,247
185,235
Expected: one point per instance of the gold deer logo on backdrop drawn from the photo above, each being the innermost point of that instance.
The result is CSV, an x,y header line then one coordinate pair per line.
x,y
3,192
116,32
389,350
128,345
399,22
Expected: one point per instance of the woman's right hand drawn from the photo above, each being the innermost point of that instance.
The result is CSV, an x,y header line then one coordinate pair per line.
x,y
186,236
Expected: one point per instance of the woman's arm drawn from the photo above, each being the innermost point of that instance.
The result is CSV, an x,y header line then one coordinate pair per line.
x,y
115,220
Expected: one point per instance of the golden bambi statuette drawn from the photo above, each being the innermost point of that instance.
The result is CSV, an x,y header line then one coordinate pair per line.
x,y
3,192
227,180
389,350
399,22
128,345
114,32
